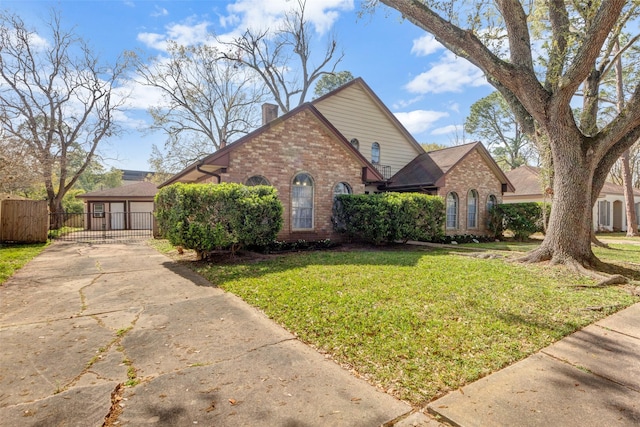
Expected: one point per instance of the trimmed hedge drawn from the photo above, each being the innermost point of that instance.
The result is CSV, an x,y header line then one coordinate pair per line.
x,y
523,219
206,217
389,217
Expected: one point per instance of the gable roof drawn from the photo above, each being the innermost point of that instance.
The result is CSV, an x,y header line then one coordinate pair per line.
x,y
378,102
139,190
429,169
219,160
526,179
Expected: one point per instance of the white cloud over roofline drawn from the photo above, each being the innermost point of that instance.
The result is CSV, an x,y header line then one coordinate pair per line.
x,y
418,121
450,74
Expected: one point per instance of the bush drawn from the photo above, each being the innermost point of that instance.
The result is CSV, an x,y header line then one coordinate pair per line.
x,y
389,217
523,219
206,217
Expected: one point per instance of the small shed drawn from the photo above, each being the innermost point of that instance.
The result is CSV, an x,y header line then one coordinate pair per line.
x,y
129,207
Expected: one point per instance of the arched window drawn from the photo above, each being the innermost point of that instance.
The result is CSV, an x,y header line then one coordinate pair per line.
x,y
472,209
302,202
452,210
355,143
375,153
257,180
492,202
341,188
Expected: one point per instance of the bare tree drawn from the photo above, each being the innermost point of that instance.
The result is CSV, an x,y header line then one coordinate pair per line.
x,y
540,95
56,100
270,55
208,101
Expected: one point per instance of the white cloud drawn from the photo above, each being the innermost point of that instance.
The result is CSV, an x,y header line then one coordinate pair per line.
x,y
426,45
159,11
260,14
418,121
404,103
447,130
450,74
185,34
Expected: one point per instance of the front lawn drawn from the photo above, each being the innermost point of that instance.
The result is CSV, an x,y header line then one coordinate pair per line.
x,y
418,322
13,257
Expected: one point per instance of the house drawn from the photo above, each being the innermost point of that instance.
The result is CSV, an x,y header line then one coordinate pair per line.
x,y
608,212
348,141
133,176
466,176
128,207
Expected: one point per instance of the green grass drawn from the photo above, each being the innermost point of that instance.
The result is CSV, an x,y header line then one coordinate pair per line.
x,y
62,231
13,257
418,322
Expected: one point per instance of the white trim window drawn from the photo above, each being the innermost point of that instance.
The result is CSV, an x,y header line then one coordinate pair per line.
x,y
452,210
472,209
604,213
341,188
375,153
257,180
302,202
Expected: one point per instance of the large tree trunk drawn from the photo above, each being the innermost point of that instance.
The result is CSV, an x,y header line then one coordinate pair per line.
x,y
568,238
629,201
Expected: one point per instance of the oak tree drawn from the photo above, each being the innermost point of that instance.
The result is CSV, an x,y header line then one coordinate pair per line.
x,y
498,39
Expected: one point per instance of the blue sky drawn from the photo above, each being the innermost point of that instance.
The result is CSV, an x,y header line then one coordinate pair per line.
x,y
428,88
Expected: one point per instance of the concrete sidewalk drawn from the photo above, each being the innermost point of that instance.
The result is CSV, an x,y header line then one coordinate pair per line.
x,y
79,322
590,378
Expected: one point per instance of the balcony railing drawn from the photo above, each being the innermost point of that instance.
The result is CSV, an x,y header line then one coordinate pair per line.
x,y
384,170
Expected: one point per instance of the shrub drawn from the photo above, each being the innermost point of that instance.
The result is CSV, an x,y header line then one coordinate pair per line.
x,y
389,217
523,219
206,217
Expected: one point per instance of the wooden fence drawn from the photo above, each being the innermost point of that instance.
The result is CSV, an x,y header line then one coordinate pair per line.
x,y
25,221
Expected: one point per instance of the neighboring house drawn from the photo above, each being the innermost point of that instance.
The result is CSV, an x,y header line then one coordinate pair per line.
x,y
134,176
348,141
608,212
129,207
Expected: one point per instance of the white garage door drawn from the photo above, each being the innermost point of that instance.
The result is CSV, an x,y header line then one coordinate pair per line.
x,y
141,215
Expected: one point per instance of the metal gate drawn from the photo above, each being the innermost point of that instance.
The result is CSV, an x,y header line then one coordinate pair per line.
x,y
102,227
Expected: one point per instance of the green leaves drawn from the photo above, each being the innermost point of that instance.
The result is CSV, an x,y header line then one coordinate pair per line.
x,y
389,217
206,217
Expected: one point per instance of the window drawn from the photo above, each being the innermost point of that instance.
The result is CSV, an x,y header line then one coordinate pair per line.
x,y
492,201
302,202
638,214
375,153
98,210
355,143
452,210
341,188
472,209
604,216
257,180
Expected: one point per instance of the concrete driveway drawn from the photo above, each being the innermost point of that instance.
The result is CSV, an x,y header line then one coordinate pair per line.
x,y
118,334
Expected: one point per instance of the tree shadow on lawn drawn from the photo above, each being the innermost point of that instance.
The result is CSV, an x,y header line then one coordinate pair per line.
x,y
244,264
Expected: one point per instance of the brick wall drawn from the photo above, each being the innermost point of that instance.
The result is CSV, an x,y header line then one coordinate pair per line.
x,y
299,144
472,173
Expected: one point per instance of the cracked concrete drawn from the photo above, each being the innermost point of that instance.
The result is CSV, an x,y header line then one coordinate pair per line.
x,y
80,321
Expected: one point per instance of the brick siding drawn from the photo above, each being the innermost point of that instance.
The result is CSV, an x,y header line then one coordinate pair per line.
x,y
298,144
472,173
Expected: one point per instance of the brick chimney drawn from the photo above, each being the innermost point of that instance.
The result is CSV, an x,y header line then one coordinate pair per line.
x,y
269,113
